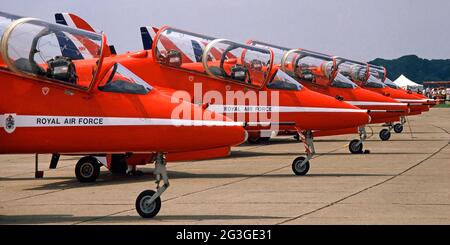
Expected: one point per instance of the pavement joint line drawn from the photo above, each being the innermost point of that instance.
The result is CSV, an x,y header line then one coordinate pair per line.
x,y
422,204
35,195
372,186
213,187
26,173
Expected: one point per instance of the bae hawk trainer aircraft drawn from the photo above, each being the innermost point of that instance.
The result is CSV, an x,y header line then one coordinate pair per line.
x,y
255,91
319,72
65,99
370,78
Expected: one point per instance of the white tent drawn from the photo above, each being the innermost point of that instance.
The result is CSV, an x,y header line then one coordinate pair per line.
x,y
405,83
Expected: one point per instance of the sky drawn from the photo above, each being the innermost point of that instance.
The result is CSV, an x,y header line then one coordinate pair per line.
x,y
357,29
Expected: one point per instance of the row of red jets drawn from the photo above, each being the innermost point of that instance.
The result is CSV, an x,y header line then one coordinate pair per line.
x,y
184,97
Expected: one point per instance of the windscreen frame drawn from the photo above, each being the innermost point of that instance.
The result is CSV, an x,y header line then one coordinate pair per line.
x,y
4,47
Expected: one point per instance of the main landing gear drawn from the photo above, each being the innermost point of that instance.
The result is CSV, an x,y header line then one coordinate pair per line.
x,y
356,145
300,166
87,169
148,203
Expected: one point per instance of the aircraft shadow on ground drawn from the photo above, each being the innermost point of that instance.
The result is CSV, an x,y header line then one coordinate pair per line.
x,y
65,218
244,154
319,140
107,179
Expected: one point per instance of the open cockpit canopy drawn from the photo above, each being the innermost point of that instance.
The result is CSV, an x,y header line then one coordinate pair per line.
x,y
278,51
307,65
391,84
218,58
49,51
378,72
359,71
356,71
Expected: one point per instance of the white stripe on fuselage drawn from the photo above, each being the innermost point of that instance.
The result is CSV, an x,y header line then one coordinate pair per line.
x,y
408,100
356,103
76,121
277,109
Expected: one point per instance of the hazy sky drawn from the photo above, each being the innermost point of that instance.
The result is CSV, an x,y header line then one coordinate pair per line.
x,y
358,29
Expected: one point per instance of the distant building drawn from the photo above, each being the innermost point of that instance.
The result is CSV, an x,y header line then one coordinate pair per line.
x,y
436,84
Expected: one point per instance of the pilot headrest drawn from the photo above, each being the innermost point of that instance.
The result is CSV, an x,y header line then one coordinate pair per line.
x,y
174,58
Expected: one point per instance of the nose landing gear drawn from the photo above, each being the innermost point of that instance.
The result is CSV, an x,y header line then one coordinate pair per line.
x,y
398,128
148,203
300,166
356,146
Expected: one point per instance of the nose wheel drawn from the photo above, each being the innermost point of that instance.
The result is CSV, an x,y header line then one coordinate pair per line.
x,y
148,203
145,207
356,146
398,128
300,165
385,134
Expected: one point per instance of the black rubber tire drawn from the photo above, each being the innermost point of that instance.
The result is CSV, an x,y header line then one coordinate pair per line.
x,y
118,164
300,171
385,135
355,148
87,169
147,212
398,128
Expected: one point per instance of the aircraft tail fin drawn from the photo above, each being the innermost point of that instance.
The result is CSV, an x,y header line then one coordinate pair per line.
x,y
148,34
73,21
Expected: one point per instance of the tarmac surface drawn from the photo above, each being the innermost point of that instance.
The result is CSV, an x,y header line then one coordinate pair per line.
x,y
403,181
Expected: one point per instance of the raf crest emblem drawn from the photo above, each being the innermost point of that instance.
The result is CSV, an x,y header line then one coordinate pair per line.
x,y
10,123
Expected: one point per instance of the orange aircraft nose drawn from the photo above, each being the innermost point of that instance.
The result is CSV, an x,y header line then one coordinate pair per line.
x,y
380,107
194,128
416,104
213,130
322,112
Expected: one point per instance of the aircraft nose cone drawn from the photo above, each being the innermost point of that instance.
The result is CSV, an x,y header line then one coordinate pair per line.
x,y
222,131
195,128
380,107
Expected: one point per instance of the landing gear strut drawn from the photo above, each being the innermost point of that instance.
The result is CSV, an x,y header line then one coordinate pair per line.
x,y
385,134
148,203
300,166
356,146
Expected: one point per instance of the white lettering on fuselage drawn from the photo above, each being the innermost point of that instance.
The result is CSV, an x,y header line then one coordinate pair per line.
x,y
227,109
69,121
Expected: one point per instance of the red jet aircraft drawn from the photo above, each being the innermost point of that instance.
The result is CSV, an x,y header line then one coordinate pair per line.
x,y
380,72
65,99
370,79
239,81
319,72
